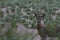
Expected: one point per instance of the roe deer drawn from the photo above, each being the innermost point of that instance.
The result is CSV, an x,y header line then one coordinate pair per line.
x,y
40,24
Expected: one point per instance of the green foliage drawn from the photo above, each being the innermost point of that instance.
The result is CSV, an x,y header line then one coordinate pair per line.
x,y
29,19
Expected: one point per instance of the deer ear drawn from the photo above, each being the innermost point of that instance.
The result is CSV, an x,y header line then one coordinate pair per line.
x,y
43,15
35,13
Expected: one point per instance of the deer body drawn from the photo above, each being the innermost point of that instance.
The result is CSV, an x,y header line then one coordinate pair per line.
x,y
42,29
41,25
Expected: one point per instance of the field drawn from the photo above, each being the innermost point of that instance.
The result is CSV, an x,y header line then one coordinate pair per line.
x,y
16,12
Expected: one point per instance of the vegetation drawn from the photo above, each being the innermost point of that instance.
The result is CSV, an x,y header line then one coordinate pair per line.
x,y
22,12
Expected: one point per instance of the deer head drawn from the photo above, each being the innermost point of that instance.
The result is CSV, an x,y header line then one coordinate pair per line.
x,y
39,16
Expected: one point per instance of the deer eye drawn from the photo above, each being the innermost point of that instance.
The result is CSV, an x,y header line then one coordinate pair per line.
x,y
7,11
38,22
